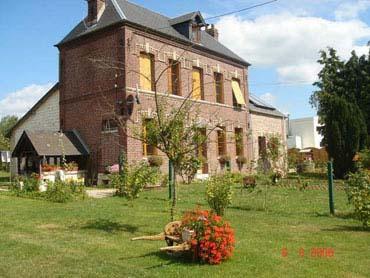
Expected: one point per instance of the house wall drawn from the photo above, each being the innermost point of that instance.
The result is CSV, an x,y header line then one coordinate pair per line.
x,y
89,94
163,50
266,125
45,118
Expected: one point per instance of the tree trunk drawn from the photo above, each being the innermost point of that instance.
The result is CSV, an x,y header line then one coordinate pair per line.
x,y
174,196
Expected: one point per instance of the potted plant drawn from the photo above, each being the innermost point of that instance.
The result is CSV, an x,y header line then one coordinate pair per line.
x,y
241,160
223,159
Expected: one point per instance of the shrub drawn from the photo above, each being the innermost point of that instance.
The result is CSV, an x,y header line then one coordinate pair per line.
x,y
241,160
213,239
219,193
364,158
233,177
58,192
249,182
358,192
155,161
30,184
130,183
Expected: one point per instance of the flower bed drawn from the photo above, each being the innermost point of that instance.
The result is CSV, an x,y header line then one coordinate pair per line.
x,y
213,239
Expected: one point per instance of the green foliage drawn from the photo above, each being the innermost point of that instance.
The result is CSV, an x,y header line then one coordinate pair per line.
x,y
272,159
189,167
155,161
6,124
26,184
219,193
358,192
58,192
364,158
343,104
133,180
4,142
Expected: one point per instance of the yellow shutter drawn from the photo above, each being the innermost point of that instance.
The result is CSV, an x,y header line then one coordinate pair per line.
x,y
145,72
197,89
237,92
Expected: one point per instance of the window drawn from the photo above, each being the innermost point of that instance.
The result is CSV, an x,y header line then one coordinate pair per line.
x,y
148,150
238,98
174,77
147,77
221,141
197,88
219,86
262,146
239,142
109,125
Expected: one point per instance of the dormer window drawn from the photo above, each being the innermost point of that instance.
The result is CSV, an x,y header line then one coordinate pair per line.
x,y
196,33
94,10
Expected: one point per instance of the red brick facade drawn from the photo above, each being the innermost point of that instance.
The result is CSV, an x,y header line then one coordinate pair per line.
x,y
88,93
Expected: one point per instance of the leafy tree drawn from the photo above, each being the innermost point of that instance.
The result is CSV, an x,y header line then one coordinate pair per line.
x,y
6,124
4,143
341,105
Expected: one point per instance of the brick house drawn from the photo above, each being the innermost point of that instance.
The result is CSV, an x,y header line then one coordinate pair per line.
x,y
143,43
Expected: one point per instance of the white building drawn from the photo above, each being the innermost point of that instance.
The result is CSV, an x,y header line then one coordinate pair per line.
x,y
43,116
303,133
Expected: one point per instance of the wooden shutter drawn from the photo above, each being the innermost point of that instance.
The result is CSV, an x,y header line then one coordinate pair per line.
x,y
197,84
237,92
145,72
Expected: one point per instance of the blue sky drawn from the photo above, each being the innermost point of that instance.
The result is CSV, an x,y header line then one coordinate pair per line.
x,y
281,40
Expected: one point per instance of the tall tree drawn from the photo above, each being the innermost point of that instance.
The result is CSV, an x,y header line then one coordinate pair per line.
x,y
340,105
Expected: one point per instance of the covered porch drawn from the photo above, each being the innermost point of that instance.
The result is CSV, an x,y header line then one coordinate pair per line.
x,y
45,152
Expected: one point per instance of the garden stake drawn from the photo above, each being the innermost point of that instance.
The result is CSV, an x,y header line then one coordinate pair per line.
x,y
330,185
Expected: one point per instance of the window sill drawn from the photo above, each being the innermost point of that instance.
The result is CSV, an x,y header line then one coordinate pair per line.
x,y
109,131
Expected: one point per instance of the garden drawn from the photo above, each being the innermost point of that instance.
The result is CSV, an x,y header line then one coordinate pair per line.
x,y
288,228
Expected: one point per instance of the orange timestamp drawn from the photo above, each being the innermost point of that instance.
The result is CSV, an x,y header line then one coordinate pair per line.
x,y
315,252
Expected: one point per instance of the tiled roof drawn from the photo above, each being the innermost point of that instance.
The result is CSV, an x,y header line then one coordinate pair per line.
x,y
117,11
49,143
258,106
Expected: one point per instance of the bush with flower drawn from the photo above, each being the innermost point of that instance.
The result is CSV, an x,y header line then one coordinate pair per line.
x,y
213,239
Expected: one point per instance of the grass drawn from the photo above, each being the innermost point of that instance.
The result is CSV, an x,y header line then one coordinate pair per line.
x,y
92,238
4,178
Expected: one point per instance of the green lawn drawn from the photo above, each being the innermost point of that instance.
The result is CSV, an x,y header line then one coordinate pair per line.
x,y
92,238
4,178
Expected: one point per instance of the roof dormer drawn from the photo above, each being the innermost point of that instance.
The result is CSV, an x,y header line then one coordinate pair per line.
x,y
95,9
189,25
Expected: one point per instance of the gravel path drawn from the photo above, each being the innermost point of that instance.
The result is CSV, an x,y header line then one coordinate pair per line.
x,y
100,193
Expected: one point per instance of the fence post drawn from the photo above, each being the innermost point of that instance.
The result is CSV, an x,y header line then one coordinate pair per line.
x,y
330,186
170,179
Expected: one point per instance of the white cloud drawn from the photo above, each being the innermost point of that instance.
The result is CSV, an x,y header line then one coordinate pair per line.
x,y
268,98
350,10
19,102
291,43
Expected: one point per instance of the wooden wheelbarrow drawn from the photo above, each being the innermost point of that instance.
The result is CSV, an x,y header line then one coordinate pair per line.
x,y
177,239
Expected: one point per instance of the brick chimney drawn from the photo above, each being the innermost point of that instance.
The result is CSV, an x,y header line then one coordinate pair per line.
x,y
212,30
95,9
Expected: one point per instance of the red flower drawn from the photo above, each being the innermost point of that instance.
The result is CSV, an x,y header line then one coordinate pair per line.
x,y
213,240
